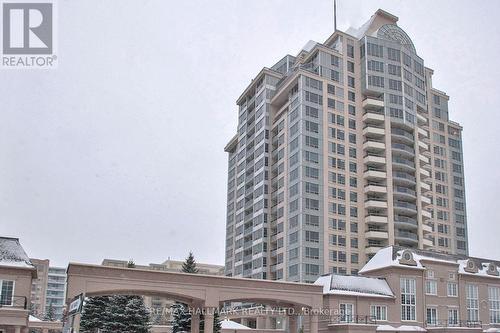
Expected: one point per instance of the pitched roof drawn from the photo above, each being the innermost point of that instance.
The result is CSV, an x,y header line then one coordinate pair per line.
x,y
354,286
12,253
390,256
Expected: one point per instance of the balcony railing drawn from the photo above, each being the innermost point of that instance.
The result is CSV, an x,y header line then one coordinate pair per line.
x,y
352,319
456,323
19,302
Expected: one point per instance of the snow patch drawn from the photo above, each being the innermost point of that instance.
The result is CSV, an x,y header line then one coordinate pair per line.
x,y
354,285
12,253
232,325
403,328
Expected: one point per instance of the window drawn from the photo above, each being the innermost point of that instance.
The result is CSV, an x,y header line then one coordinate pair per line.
x,y
431,316
378,312
312,236
431,287
408,299
6,292
472,302
376,66
346,312
453,317
375,50
452,289
494,299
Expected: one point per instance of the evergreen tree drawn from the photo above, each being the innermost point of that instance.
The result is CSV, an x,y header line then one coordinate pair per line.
x,y
181,321
131,263
49,314
189,265
94,314
126,314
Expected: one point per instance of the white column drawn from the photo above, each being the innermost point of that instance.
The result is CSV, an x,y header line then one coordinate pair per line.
x,y
209,320
292,324
195,323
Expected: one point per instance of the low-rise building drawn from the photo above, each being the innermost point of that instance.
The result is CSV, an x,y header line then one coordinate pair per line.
x,y
16,274
414,290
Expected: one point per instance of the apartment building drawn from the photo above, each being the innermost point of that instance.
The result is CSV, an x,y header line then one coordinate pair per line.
x,y
414,290
48,289
340,151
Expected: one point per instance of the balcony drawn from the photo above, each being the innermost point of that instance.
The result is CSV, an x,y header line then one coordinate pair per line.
x,y
426,228
373,131
421,119
405,222
374,159
405,207
427,243
422,133
402,149
372,249
404,192
373,145
370,189
426,214
376,234
373,117
376,219
406,237
424,159
375,174
373,204
403,163
374,103
422,145
403,177
425,201
425,187
402,135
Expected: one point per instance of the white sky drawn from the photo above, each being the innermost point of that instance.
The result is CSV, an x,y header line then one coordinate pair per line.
x,y
119,152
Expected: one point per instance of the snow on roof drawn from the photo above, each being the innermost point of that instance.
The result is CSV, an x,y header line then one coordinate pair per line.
x,y
34,319
354,286
403,328
390,257
232,325
12,253
492,330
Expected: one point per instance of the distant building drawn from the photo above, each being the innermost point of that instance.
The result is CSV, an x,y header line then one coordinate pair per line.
x,y
48,289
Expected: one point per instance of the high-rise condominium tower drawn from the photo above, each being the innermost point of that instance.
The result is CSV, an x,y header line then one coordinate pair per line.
x,y
340,151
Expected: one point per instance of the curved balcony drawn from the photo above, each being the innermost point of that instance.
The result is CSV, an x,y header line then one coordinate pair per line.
x,y
405,222
404,178
425,200
423,146
421,119
425,174
406,207
402,164
401,135
373,249
425,187
406,237
404,192
402,149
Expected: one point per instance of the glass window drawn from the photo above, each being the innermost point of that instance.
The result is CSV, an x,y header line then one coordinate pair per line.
x,y
472,302
494,299
346,312
378,312
6,292
408,299
431,316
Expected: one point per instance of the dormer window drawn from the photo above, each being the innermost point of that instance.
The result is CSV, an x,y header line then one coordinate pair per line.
x,y
407,258
492,269
470,266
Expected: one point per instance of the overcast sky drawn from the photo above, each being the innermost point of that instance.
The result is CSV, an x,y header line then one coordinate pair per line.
x,y
118,153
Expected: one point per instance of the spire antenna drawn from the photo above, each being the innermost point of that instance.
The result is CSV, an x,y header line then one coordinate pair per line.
x,y
334,15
